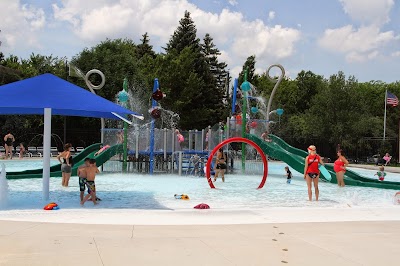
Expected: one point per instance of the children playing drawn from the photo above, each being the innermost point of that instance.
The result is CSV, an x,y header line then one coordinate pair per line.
x,y
288,175
381,173
91,172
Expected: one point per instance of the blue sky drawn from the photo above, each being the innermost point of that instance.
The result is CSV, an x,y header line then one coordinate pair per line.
x,y
359,37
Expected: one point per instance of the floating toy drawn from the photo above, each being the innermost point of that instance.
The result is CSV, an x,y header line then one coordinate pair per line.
x,y
202,206
183,196
51,206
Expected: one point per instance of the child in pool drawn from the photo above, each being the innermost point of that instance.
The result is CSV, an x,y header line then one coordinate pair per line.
x,y
381,174
288,175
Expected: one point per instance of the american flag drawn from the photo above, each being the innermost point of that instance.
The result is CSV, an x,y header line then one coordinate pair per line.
x,y
392,99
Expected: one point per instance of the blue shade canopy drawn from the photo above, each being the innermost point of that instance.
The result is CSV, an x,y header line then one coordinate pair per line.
x,y
32,95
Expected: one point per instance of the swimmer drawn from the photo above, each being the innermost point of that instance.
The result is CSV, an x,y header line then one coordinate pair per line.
x,y
91,172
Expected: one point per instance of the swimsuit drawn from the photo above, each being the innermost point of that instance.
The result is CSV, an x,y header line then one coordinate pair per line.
x,y
82,183
221,165
91,186
338,166
65,168
9,142
289,176
381,175
312,169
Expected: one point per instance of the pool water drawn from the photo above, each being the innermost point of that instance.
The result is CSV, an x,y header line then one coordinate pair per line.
x,y
16,164
136,191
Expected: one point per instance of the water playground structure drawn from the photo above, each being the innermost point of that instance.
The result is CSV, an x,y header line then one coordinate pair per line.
x,y
147,149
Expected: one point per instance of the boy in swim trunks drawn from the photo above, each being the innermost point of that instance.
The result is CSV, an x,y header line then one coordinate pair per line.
x,y
82,177
91,172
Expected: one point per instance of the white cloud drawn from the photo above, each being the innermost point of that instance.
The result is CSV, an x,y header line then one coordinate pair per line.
x,y
94,21
396,54
367,41
368,12
357,44
271,15
233,2
19,24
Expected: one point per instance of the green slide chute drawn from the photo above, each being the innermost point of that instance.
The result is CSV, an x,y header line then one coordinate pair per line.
x,y
55,170
280,150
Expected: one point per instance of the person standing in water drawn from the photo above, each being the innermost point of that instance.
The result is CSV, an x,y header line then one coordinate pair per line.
x,y
91,172
311,171
288,175
65,159
220,165
9,145
340,167
82,177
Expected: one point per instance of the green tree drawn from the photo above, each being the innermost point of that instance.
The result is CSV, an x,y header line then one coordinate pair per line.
x,y
249,65
186,78
116,59
144,48
184,36
217,69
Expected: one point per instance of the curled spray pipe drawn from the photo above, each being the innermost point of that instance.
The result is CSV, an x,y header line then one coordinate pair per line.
x,y
277,82
98,87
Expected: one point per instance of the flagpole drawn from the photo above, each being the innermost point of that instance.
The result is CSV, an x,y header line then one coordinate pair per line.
x,y
384,118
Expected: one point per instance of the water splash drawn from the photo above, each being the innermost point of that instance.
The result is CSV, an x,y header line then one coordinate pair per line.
x,y
353,197
3,187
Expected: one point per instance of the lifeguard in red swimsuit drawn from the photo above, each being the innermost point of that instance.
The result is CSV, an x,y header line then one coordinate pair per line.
x,y
311,171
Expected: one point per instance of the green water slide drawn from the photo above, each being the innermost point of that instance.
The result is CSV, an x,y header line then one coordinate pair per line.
x,y
55,170
280,150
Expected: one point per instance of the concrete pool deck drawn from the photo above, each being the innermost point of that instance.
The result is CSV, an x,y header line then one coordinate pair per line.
x,y
338,243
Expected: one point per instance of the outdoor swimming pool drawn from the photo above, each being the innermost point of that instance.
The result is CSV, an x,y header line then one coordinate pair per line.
x,y
145,192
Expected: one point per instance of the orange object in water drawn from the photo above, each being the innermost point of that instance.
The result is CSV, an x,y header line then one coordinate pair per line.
x,y
48,207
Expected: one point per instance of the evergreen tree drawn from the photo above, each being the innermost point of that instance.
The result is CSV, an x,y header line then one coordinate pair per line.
x,y
216,68
184,36
186,78
145,48
250,65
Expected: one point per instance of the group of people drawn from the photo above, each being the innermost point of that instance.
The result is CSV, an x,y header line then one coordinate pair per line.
x,y
312,172
86,173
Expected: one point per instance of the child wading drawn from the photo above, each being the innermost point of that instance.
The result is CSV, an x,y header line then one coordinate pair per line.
x,y
91,172
381,174
288,175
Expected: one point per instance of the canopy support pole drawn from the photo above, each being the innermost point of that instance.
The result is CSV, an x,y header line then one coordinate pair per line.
x,y
46,153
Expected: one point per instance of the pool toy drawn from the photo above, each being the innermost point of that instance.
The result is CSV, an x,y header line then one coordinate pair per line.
x,y
201,206
325,172
51,206
182,196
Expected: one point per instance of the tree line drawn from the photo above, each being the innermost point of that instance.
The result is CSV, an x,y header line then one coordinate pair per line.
x,y
325,111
